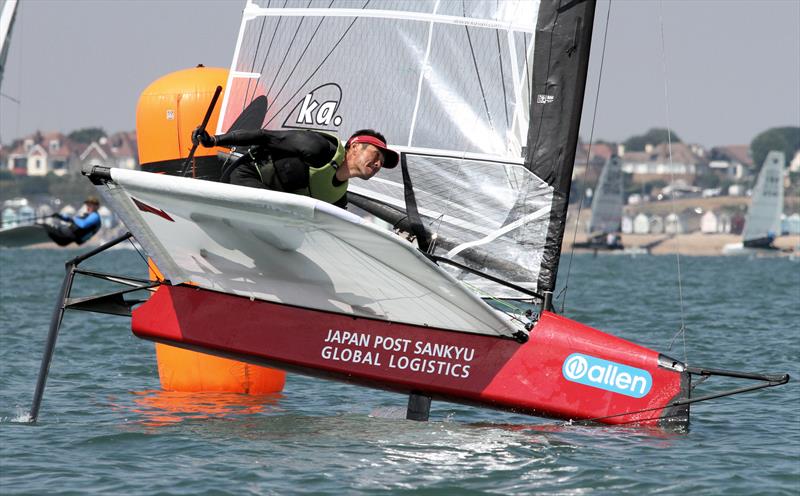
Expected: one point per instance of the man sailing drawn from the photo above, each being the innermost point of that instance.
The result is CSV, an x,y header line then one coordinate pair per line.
x,y
76,229
303,162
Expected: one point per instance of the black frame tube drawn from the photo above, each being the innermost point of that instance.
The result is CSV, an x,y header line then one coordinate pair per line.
x,y
55,321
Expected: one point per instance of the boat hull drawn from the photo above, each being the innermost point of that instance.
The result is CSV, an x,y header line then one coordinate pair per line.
x,y
565,370
17,237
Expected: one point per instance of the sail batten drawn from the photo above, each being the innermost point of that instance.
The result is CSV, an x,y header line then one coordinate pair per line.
x,y
394,14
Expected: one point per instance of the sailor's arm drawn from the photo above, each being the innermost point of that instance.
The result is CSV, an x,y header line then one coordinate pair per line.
x,y
85,222
234,138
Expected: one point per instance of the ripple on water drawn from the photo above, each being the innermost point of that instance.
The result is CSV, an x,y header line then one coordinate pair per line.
x,y
106,428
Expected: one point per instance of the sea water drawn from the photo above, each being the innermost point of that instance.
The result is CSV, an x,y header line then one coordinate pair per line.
x,y
105,426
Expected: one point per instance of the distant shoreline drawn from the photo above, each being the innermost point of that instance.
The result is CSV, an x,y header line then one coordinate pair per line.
x,y
692,244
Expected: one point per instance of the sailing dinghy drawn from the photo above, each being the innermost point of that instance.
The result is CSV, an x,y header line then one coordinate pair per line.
x,y
605,224
763,221
482,99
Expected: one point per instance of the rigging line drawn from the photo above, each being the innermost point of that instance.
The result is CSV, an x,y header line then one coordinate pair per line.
x,y
269,49
303,54
682,330
477,71
288,49
289,100
502,76
10,98
253,65
130,240
689,401
588,155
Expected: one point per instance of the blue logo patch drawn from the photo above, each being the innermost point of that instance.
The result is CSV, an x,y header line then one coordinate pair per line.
x,y
603,374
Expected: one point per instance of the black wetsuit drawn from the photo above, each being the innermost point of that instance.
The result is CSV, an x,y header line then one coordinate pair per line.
x,y
279,160
78,230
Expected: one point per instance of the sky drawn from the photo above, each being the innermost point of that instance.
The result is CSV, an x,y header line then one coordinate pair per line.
x,y
728,69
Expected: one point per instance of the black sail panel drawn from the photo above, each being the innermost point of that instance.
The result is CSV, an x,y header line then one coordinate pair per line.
x,y
563,39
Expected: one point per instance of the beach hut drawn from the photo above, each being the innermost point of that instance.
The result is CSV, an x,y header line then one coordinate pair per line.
x,y
26,215
709,223
68,211
44,211
627,224
641,224
656,224
107,217
791,224
9,217
673,224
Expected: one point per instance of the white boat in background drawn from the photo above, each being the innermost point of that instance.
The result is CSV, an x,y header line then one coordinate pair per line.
x,y
763,221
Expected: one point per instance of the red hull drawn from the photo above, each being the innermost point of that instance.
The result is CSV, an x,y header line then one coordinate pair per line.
x,y
468,368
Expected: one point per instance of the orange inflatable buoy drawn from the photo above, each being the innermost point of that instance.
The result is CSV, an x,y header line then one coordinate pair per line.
x,y
185,370
167,112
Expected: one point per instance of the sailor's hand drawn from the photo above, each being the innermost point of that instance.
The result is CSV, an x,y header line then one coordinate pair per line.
x,y
201,136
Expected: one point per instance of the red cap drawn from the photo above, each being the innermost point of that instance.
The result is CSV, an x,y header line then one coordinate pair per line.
x,y
390,157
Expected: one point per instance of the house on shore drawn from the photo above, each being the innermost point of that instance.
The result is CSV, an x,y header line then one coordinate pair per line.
x,y
41,154
656,163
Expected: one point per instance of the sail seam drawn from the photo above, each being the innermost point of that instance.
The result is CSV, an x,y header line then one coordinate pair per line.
x,y
421,77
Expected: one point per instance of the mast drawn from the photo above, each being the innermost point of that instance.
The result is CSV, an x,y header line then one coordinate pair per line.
x,y
563,39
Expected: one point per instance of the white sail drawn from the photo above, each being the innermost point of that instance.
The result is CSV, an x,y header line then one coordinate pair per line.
x,y
764,216
447,82
7,14
607,199
289,249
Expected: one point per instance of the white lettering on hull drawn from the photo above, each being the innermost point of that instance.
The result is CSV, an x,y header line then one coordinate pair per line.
x,y
404,354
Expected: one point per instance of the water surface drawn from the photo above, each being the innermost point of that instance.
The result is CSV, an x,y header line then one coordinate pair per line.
x,y
105,427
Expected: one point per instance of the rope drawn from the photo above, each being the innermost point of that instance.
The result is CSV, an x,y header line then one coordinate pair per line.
x,y
682,330
588,155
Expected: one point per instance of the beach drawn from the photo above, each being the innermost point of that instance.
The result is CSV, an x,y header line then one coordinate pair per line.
x,y
691,244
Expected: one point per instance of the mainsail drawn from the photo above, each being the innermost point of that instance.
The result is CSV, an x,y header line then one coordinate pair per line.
x,y
7,14
607,199
763,220
482,98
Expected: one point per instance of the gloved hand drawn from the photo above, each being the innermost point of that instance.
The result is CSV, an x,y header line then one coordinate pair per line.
x,y
201,136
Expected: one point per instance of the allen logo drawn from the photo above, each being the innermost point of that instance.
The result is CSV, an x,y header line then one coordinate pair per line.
x,y
317,109
604,374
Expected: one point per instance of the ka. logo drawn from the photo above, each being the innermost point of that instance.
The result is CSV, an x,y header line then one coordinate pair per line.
x,y
317,109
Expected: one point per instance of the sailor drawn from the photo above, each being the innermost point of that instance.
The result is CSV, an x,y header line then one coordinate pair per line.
x,y
303,162
76,229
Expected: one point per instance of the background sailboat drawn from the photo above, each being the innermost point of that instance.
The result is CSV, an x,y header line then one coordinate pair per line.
x,y
763,222
605,224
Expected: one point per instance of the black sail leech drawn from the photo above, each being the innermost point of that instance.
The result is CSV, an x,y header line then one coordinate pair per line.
x,y
563,39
